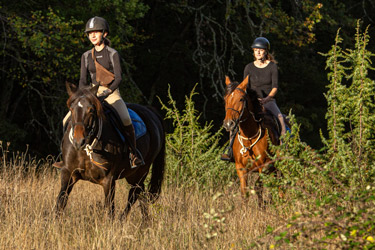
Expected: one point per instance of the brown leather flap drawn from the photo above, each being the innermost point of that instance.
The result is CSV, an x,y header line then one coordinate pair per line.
x,y
103,76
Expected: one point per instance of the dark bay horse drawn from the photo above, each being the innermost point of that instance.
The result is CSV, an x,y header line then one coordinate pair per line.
x,y
245,117
93,151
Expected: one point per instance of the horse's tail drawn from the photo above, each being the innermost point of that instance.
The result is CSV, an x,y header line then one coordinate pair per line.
x,y
158,167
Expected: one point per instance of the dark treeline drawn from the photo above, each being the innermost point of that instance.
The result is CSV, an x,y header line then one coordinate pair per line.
x,y
177,43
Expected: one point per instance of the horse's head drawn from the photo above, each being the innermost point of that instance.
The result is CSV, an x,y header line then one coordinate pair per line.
x,y
85,110
240,102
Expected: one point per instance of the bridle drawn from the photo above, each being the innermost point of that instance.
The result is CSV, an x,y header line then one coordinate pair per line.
x,y
95,131
244,99
240,119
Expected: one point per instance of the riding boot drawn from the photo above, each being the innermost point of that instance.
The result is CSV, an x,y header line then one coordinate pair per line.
x,y
282,123
227,156
136,159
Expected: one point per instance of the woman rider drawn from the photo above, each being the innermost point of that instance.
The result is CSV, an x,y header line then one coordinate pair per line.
x,y
263,78
103,64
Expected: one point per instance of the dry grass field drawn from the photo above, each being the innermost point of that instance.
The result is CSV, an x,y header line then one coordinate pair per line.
x,y
180,219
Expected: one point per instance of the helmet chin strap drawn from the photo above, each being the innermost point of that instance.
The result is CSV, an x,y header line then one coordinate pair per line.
x,y
102,38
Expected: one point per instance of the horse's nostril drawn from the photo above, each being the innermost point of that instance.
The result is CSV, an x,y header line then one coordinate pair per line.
x,y
228,125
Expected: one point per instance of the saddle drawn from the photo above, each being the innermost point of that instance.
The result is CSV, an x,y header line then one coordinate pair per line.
x,y
114,118
272,123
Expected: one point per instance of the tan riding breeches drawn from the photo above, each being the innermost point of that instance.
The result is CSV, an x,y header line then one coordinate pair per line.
x,y
116,102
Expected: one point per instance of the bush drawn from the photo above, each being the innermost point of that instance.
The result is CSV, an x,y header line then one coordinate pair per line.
x,y
334,186
193,151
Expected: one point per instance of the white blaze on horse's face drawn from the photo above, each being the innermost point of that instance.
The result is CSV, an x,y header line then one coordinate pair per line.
x,y
80,104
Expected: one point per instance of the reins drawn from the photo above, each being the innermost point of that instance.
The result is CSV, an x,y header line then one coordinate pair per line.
x,y
243,109
89,147
258,135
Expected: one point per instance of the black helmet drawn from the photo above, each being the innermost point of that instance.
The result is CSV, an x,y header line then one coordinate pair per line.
x,y
97,23
261,43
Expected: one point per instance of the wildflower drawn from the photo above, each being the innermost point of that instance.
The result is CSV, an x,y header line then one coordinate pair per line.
x,y
343,237
353,232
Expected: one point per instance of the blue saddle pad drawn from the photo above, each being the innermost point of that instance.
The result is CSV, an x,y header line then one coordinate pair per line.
x,y
138,124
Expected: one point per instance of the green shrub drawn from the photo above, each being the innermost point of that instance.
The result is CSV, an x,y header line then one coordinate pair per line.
x,y
334,187
193,151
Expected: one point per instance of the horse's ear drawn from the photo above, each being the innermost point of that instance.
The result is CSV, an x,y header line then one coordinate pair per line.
x,y
227,80
244,83
94,89
70,88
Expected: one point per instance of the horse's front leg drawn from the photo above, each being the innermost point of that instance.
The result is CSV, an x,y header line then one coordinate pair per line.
x,y
133,195
109,186
242,174
67,182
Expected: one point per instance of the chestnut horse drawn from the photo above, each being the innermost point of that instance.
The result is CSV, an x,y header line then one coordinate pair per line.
x,y
93,151
251,127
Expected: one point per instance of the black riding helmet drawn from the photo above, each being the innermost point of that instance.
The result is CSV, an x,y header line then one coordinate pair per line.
x,y
97,23
261,43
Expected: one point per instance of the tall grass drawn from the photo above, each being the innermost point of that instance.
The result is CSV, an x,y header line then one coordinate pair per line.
x,y
183,218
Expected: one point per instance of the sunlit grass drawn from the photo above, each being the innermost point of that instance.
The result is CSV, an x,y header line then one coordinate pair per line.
x,y
180,219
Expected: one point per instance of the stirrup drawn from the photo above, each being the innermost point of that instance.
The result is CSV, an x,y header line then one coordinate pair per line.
x,y
136,160
225,157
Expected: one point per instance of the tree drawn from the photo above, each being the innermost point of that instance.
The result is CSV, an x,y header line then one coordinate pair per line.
x,y
41,49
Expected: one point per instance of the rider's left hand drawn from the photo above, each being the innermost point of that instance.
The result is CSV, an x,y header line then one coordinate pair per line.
x,y
265,100
105,93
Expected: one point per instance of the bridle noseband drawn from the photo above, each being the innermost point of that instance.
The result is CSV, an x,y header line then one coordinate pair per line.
x,y
92,137
93,126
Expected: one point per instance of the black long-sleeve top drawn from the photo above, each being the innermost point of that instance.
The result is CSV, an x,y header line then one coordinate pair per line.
x,y
262,80
109,58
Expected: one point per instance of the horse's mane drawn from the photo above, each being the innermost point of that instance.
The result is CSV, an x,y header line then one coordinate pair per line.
x,y
252,94
231,87
90,96
258,109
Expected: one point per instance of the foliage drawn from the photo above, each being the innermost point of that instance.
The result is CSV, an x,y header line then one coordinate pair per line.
x,y
38,54
351,108
48,38
42,43
41,50
336,185
192,150
223,30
